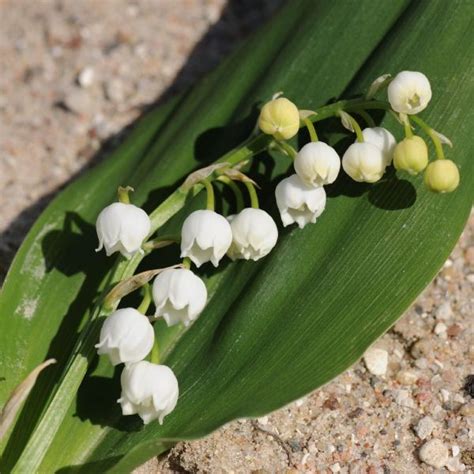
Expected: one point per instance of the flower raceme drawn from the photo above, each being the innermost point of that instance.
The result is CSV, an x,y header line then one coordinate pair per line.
x,y
149,390
205,237
298,202
254,234
122,228
179,296
126,336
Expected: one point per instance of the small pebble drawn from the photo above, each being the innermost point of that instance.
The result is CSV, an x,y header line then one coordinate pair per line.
x,y
425,427
467,409
434,453
444,311
421,348
86,77
335,467
115,91
403,398
440,328
406,377
376,361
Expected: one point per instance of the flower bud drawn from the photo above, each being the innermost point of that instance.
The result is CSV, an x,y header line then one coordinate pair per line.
x,y
411,155
298,202
409,92
149,390
122,228
383,139
442,176
205,236
179,296
126,336
364,162
280,118
254,234
317,163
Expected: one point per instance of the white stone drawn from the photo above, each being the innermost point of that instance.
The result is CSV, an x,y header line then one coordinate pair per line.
x,y
86,77
407,377
404,399
434,453
376,361
444,311
425,427
455,450
335,467
440,328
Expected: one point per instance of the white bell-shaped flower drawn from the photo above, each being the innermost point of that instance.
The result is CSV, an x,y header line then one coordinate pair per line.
x,y
179,296
254,234
122,228
364,162
205,236
298,202
317,164
126,336
149,390
383,139
409,92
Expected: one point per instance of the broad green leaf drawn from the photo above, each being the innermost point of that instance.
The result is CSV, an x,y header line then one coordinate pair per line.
x,y
273,330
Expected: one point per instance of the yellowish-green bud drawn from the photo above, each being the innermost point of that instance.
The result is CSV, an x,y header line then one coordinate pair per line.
x,y
411,155
280,118
442,176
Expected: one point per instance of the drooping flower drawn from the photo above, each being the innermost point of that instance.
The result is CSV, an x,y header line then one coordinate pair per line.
x,y
205,236
317,164
122,228
442,176
179,296
364,162
383,139
411,155
149,390
126,336
298,202
254,234
280,118
409,92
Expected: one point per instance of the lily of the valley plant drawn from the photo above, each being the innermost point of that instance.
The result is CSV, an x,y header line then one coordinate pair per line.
x,y
179,295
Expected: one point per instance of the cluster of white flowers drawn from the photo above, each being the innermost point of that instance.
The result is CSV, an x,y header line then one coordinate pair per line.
x,y
180,296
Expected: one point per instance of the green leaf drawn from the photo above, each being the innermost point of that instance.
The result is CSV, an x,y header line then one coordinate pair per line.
x,y
273,330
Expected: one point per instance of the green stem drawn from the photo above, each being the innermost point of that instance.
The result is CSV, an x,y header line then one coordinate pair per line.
x,y
145,304
253,194
311,130
123,194
239,199
357,129
186,263
160,242
431,133
287,149
211,200
84,351
155,353
367,117
407,127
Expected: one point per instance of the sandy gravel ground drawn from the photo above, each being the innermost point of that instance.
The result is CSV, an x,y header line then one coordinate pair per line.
x,y
74,73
